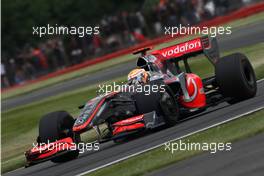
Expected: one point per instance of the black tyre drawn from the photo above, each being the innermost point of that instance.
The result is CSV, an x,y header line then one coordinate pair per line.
x,y
170,108
58,125
235,77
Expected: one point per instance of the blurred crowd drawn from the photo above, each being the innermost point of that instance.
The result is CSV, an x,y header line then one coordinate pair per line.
x,y
117,31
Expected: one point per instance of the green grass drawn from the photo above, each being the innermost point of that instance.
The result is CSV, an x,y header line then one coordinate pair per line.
x,y
158,158
260,71
19,125
119,60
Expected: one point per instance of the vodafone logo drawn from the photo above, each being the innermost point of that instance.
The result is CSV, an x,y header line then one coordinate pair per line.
x,y
181,49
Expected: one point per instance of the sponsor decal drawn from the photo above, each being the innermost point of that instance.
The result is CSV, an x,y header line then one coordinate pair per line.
x,y
193,96
180,49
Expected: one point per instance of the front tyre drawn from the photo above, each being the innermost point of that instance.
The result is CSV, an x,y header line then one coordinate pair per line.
x,y
55,126
169,108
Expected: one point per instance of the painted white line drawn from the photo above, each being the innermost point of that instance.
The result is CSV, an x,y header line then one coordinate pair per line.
x,y
159,145
260,80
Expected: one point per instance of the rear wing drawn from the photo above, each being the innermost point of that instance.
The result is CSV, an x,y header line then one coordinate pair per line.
x,y
206,45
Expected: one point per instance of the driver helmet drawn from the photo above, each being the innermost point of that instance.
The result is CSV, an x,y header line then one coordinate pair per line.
x,y
138,76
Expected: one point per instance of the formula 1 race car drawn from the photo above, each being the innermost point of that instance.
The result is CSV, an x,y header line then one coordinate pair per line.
x,y
126,113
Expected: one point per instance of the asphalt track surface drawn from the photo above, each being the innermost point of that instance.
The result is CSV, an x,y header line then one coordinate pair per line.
x,y
244,36
243,160
110,152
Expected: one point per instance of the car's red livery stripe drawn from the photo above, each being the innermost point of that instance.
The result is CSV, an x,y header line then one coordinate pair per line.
x,y
129,121
121,129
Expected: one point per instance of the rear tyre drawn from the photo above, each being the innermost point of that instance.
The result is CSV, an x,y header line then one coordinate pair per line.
x,y
55,126
235,77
